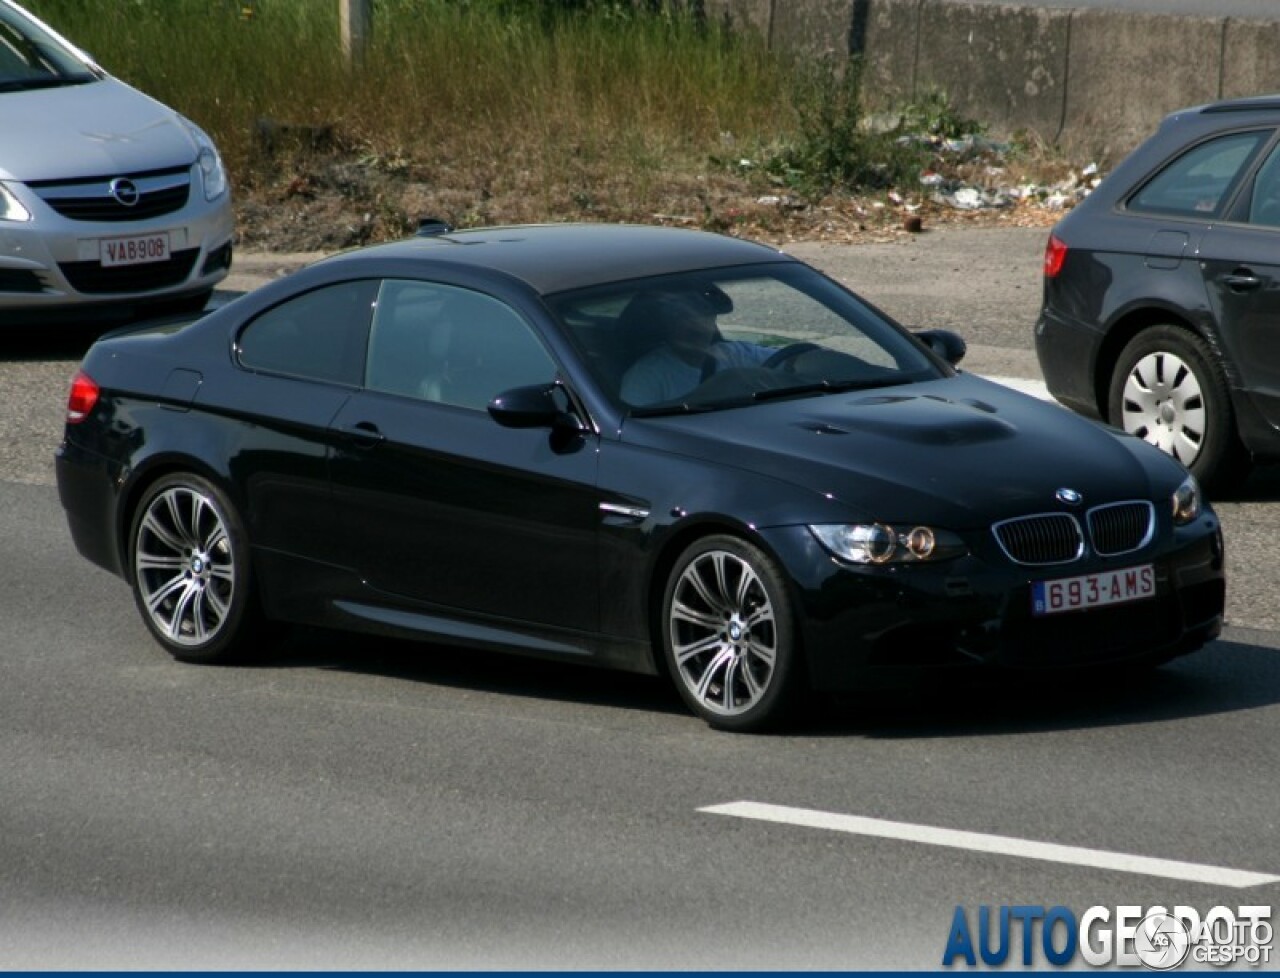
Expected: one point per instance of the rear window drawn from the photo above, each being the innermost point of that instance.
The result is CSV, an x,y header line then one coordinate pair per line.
x,y
1199,182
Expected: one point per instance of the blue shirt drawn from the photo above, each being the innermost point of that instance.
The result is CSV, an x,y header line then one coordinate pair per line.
x,y
662,375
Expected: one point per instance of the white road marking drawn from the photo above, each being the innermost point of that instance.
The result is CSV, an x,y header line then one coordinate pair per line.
x,y
1035,388
997,844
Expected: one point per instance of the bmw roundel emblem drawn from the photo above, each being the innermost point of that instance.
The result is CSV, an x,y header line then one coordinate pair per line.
x,y
1069,496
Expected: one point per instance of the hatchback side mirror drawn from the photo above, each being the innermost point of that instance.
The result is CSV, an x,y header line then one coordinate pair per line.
x,y
946,344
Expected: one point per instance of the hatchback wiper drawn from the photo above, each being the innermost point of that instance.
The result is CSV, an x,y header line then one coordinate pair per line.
x,y
826,387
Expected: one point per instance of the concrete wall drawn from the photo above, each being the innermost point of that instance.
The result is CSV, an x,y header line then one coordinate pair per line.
x,y
1094,82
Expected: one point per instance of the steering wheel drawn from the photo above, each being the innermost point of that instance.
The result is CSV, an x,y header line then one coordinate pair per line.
x,y
789,353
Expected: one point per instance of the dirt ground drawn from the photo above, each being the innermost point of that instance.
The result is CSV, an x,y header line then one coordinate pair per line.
x,y
314,204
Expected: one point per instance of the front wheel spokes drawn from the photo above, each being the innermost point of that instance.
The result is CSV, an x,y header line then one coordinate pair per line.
x,y
715,600
723,662
691,650
721,627
698,619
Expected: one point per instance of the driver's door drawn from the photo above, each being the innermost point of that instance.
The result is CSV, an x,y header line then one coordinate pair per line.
x,y
439,502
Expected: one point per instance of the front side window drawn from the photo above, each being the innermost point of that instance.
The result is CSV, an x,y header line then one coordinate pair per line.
x,y
451,346
731,337
1198,183
319,335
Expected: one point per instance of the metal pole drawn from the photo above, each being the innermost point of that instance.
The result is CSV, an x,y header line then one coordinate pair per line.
x,y
357,28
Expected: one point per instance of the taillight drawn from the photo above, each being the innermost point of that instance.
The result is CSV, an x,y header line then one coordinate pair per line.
x,y
84,395
1055,253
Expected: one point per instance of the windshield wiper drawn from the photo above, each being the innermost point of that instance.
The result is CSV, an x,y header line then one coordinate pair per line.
x,y
826,387
49,81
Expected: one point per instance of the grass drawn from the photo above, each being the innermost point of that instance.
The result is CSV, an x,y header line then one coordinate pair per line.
x,y
493,110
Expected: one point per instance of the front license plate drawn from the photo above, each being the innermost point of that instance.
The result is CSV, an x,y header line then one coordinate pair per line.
x,y
1093,590
138,249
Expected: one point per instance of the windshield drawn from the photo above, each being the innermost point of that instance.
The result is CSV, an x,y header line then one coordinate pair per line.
x,y
30,57
730,337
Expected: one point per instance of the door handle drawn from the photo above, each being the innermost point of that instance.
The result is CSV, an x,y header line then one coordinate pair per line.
x,y
1241,280
365,434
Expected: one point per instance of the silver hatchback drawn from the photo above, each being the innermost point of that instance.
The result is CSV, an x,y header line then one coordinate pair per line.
x,y
110,202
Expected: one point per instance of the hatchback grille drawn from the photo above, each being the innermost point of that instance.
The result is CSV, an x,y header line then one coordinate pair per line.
x,y
1049,538
90,277
1121,528
159,192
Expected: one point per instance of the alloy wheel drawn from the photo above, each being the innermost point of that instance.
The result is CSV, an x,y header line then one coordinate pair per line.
x,y
184,566
723,633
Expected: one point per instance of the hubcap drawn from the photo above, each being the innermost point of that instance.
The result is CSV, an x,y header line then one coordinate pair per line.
x,y
723,633
1163,405
183,565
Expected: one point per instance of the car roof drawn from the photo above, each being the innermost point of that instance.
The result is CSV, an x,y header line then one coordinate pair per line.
x,y
556,257
1255,103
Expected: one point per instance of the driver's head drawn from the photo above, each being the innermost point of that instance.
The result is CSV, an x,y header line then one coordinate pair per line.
x,y
688,321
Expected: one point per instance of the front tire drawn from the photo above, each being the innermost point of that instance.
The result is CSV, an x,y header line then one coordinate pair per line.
x,y
1170,390
189,568
729,637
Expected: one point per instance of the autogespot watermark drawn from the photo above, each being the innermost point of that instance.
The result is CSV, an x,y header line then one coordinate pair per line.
x,y
1156,938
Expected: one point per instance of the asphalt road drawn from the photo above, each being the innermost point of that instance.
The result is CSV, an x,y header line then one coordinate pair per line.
x,y
350,803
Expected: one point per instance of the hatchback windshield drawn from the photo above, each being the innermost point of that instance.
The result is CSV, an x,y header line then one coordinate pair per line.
x,y
729,337
30,57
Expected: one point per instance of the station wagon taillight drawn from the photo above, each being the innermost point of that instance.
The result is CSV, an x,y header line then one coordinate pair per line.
x,y
83,397
1055,253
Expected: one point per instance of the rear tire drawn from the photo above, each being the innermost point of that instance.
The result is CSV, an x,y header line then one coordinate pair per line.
x,y
190,570
729,637
1169,389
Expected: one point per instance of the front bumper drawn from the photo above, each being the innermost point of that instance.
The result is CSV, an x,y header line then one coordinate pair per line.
x,y
899,625
51,266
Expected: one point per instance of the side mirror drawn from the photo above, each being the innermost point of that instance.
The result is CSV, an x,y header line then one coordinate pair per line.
x,y
946,344
532,407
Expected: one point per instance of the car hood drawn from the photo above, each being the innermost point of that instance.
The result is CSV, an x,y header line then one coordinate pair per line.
x,y
100,128
960,452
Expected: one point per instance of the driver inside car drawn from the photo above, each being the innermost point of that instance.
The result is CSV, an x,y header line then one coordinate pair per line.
x,y
690,350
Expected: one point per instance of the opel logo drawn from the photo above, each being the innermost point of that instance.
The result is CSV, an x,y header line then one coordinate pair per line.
x,y
1069,496
124,190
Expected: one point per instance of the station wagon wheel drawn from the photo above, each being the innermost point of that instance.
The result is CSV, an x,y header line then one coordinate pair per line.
x,y
1170,390
189,565
728,635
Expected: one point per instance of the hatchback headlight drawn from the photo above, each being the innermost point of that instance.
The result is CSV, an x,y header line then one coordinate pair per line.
x,y
210,163
1187,502
880,543
11,208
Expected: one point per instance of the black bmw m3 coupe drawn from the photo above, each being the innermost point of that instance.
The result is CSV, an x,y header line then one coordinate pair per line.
x,y
649,449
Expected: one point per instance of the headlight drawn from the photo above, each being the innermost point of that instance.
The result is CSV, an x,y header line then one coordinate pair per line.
x,y
1187,502
880,543
11,208
210,163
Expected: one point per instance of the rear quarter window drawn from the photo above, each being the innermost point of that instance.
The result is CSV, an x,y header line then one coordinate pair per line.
x,y
1200,182
320,335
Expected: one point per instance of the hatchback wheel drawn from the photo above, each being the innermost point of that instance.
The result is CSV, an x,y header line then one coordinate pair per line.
x,y
190,570
1169,389
729,636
